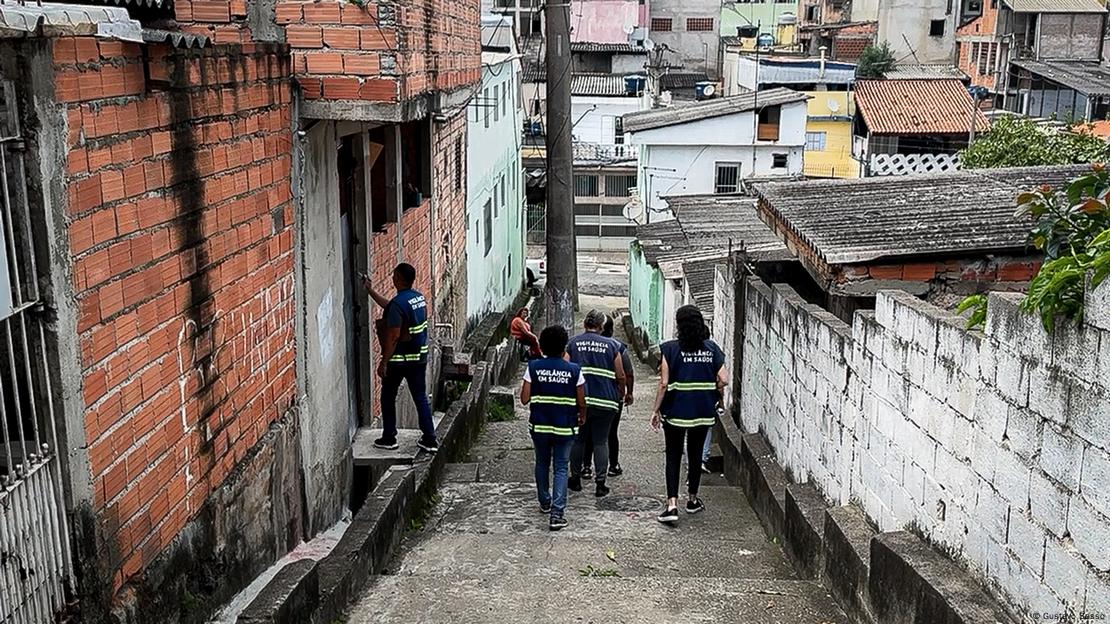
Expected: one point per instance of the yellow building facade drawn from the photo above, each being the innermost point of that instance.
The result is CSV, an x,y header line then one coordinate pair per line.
x,y
828,152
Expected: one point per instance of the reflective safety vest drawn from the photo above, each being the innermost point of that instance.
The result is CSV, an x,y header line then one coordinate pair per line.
x,y
412,310
691,398
554,402
596,353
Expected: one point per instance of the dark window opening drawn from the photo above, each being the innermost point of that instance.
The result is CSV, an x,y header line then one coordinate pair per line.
x,y
936,28
382,196
728,178
416,163
458,164
779,161
488,227
768,127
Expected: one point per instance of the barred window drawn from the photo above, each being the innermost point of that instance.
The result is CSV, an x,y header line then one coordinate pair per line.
x,y
815,141
619,185
699,24
661,24
585,186
728,178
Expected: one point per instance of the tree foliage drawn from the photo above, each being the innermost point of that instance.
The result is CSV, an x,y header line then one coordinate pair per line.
x,y
875,61
1020,142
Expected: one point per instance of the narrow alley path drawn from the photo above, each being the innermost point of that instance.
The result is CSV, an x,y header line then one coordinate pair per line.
x,y
485,554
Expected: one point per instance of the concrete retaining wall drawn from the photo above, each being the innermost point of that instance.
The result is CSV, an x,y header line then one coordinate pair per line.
x,y
992,445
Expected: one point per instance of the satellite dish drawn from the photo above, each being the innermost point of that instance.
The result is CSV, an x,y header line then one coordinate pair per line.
x,y
709,90
633,210
833,105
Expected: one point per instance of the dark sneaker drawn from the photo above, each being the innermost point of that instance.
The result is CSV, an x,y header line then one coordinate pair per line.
x,y
587,474
389,445
556,523
601,490
430,446
615,470
545,509
574,484
695,506
669,516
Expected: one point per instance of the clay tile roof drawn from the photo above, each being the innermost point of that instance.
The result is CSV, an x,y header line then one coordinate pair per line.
x,y
916,107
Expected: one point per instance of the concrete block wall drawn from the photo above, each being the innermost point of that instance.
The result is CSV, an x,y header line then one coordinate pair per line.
x,y
994,445
179,220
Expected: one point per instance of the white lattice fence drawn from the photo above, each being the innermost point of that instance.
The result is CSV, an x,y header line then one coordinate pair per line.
x,y
907,164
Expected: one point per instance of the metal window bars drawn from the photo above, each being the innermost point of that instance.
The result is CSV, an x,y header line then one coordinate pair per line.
x,y
35,563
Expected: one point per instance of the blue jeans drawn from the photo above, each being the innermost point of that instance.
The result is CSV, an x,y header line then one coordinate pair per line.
x,y
415,373
705,449
552,447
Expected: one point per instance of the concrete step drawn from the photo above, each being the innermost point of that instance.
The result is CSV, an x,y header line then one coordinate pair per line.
x,y
366,454
499,598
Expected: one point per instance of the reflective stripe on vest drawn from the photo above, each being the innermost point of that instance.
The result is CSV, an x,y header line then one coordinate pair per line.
x,y
690,422
596,402
412,357
559,431
692,386
599,372
418,329
554,400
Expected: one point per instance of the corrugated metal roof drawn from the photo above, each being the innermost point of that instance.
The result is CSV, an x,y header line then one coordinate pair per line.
x,y
611,85
916,106
1088,77
1056,6
783,71
860,221
68,20
615,48
706,226
708,109
925,72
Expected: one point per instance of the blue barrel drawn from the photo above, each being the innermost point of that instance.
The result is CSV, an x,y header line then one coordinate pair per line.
x,y
765,41
634,85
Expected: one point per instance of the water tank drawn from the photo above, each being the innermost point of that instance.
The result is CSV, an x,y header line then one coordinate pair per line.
x,y
634,85
747,32
788,18
705,90
765,40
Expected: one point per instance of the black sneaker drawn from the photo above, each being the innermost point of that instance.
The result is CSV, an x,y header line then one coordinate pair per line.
x,y
601,490
669,516
574,484
556,523
615,470
430,446
389,445
587,474
545,509
695,506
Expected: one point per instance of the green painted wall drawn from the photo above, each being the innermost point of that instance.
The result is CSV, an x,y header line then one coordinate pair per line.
x,y
645,293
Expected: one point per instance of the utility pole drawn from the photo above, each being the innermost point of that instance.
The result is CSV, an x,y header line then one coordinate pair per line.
x,y
561,296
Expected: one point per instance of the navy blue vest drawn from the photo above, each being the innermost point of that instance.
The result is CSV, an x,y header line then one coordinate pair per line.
x,y
412,311
691,399
596,353
554,402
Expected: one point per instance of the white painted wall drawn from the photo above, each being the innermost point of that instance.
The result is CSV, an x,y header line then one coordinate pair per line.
x,y
681,160
594,117
493,161
905,24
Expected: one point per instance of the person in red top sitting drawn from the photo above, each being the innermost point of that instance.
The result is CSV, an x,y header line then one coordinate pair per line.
x,y
521,331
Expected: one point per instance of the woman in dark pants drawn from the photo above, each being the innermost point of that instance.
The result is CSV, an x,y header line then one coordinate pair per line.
x,y
691,375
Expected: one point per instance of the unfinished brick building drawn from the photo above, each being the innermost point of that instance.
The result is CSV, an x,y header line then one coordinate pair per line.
x,y
190,191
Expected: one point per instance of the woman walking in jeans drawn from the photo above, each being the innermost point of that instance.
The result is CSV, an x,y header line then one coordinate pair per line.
x,y
691,375
555,391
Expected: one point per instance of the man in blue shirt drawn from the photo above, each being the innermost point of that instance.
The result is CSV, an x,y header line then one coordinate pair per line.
x,y
403,335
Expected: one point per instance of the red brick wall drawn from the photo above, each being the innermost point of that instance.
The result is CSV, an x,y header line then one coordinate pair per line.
x,y
382,53
180,228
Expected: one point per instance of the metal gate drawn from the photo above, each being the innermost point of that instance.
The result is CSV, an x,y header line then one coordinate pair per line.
x,y
35,563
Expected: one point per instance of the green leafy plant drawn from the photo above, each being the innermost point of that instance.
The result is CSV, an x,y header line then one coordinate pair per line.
x,y
978,306
875,61
1072,228
1020,142
499,412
